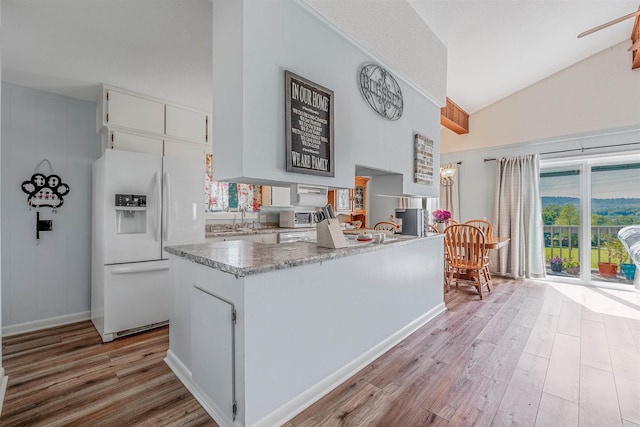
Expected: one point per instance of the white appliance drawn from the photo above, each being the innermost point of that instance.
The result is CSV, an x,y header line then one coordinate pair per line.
x,y
141,203
295,219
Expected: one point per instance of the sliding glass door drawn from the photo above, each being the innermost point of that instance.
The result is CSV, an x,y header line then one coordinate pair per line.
x,y
584,204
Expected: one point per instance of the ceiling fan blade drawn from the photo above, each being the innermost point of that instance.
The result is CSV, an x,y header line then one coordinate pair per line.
x,y
615,21
635,46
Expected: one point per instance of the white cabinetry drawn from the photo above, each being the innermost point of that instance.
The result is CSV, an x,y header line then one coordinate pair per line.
x,y
143,143
185,123
144,116
120,108
259,238
212,341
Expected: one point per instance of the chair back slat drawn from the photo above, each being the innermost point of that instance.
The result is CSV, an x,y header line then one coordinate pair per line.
x,y
483,225
465,246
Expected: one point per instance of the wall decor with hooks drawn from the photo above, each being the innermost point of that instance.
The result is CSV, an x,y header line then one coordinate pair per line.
x,y
44,191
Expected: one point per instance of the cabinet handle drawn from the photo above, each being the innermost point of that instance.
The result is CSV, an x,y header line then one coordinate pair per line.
x,y
206,128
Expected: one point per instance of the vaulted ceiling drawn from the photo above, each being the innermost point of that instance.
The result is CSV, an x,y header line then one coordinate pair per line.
x,y
163,47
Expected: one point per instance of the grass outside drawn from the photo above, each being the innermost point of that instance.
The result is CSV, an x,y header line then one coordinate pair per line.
x,y
574,255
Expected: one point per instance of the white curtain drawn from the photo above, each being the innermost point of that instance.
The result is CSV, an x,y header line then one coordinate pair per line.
x,y
517,215
449,199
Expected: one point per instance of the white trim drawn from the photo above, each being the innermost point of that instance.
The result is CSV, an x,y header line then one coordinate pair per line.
x,y
184,375
45,323
3,387
305,399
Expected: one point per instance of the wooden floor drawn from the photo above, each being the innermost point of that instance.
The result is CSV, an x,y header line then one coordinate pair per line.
x,y
65,376
531,353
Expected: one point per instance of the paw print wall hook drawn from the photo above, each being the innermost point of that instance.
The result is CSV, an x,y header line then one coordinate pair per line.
x,y
45,190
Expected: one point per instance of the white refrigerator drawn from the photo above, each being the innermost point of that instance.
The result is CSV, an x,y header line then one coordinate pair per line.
x,y
141,203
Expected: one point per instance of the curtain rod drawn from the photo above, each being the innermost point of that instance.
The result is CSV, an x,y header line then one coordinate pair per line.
x,y
577,149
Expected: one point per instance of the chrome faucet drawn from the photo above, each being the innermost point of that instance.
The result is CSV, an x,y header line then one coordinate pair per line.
x,y
243,211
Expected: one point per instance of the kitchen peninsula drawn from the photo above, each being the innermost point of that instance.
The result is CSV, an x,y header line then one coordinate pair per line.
x,y
260,331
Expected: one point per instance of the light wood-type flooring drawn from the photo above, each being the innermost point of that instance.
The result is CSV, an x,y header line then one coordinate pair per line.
x,y
531,353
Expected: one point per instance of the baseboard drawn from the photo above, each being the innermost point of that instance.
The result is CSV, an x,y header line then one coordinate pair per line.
x,y
184,375
296,405
45,323
3,387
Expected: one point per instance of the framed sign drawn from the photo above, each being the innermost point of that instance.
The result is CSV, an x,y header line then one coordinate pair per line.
x,y
423,160
309,126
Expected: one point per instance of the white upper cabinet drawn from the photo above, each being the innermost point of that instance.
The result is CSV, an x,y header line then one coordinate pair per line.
x,y
121,109
133,112
184,123
130,142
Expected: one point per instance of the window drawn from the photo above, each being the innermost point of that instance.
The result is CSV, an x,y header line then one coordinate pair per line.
x,y
223,196
585,202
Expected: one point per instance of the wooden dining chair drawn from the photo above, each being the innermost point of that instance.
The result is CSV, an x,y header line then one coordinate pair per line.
x,y
386,226
467,256
483,225
487,229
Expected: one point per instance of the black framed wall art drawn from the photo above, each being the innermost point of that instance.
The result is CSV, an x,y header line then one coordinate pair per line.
x,y
309,126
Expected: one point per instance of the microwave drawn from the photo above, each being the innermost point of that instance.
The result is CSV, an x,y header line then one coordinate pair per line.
x,y
294,219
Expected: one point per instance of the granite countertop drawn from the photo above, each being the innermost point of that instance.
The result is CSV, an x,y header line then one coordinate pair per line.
x,y
242,258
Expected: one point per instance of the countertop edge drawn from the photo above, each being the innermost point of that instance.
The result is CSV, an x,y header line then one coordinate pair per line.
x,y
186,252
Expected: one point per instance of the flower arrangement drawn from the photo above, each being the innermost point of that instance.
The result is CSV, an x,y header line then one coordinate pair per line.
x,y
572,264
441,215
556,263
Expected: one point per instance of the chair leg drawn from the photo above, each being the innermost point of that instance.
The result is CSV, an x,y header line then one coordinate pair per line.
x,y
478,281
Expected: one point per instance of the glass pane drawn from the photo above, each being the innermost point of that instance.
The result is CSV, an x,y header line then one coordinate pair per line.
x,y
615,203
560,193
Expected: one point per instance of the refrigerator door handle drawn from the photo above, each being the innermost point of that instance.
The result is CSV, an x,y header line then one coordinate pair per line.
x,y
157,207
139,269
166,205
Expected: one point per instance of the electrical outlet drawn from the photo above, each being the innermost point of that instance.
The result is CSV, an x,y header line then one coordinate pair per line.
x,y
263,218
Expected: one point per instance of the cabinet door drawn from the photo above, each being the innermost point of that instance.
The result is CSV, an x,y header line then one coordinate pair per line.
x,y
183,123
280,196
134,112
343,200
184,150
136,143
212,348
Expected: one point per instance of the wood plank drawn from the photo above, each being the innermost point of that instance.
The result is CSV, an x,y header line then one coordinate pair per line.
x,y
570,319
72,378
556,411
524,391
542,335
594,349
598,401
626,372
563,374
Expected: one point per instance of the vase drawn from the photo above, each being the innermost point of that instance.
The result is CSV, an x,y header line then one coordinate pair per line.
x,y
629,271
440,226
607,269
572,270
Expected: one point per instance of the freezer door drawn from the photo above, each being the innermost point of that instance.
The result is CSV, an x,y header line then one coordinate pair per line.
x,y
131,234
183,202
135,295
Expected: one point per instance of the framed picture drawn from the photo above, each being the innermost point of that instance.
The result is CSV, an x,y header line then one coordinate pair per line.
x,y
423,160
309,126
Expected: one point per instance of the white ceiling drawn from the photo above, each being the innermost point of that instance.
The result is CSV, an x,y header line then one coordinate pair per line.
x,y
163,47
496,48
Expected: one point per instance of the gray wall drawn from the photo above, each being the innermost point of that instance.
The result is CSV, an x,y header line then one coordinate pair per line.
x,y
49,282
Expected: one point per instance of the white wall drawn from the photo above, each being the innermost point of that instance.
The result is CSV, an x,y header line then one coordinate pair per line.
x,y
595,102
46,283
600,92
249,112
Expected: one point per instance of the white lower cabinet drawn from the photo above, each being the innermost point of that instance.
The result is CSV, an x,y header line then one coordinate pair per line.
x,y
258,238
212,349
